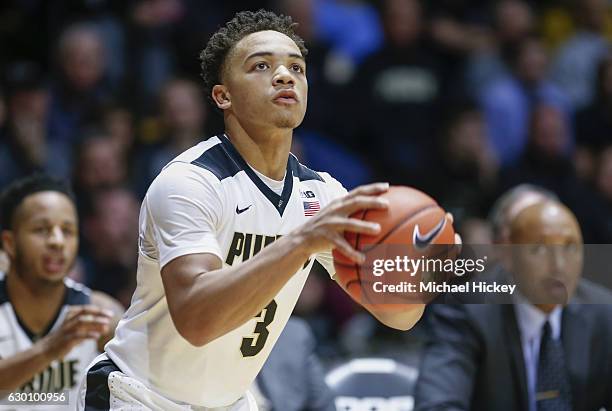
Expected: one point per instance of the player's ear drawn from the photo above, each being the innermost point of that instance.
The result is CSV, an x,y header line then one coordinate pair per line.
x,y
8,242
221,97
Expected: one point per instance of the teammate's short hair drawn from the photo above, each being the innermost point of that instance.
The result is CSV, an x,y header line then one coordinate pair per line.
x,y
244,23
497,215
12,197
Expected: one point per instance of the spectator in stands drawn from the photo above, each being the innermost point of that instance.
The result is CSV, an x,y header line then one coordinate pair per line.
x,y
398,89
183,115
24,146
602,214
513,22
352,27
110,240
465,178
153,25
80,87
509,101
98,166
119,122
594,124
575,65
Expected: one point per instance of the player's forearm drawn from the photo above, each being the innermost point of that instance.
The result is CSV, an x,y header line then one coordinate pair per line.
x,y
224,299
23,366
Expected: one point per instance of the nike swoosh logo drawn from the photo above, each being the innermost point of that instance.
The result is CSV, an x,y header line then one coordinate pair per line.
x,y
421,241
240,211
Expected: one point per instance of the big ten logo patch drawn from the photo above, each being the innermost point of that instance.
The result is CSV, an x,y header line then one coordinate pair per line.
x,y
307,194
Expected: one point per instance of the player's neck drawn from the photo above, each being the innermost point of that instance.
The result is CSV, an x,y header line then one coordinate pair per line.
x,y
266,151
36,305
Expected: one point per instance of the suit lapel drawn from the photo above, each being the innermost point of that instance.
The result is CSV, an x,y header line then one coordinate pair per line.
x,y
575,340
516,354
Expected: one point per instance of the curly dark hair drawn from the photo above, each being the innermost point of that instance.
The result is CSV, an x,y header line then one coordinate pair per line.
x,y
13,195
244,23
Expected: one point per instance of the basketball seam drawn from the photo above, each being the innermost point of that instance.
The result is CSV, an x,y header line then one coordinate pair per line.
x,y
398,225
357,266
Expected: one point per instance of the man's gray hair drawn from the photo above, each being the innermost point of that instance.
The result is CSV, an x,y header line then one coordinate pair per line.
x,y
498,215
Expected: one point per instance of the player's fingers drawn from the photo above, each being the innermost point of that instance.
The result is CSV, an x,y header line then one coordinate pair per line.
x,y
450,217
345,248
458,243
85,328
369,189
89,309
87,321
353,225
350,205
80,336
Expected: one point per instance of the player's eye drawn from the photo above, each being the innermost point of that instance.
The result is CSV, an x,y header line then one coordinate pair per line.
x,y
41,230
261,66
297,68
68,232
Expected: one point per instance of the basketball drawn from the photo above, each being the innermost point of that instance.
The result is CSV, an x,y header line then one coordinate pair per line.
x,y
414,226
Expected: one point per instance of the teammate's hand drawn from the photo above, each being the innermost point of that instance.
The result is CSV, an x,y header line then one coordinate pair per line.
x,y
326,229
82,322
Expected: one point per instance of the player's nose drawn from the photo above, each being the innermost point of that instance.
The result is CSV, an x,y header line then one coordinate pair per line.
x,y
283,76
56,237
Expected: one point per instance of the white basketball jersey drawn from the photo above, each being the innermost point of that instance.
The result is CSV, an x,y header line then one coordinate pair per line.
x,y
61,375
209,200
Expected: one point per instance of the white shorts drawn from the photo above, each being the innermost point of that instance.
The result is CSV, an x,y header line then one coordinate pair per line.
x,y
115,391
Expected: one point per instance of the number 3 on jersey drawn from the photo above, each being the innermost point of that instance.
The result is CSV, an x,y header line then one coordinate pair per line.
x,y
251,346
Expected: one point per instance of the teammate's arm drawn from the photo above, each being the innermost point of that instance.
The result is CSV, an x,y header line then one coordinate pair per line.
x,y
207,301
81,323
105,301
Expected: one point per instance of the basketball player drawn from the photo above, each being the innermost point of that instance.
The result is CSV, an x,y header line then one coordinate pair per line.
x,y
228,233
50,327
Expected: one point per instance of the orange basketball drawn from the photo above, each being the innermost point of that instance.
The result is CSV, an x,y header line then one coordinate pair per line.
x,y
413,227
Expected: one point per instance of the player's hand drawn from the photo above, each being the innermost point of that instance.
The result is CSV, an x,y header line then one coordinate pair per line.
x,y
326,229
458,239
82,322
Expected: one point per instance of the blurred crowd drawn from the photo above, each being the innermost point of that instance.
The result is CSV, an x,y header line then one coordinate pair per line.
x,y
462,99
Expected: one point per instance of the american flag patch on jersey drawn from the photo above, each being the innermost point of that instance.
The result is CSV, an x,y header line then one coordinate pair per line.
x,y
311,208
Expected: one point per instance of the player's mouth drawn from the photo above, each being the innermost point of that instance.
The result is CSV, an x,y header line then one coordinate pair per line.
x,y
286,97
54,264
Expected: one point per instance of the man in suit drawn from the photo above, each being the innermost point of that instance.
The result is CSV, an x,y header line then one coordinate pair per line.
x,y
292,378
551,350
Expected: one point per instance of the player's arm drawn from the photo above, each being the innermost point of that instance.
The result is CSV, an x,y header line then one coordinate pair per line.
x,y
105,301
81,323
207,301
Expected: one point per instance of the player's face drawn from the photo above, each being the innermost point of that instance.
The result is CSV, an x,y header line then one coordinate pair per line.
x,y
265,77
44,240
548,258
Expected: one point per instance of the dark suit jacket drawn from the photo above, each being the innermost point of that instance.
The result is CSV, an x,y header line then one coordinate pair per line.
x,y
292,378
473,359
